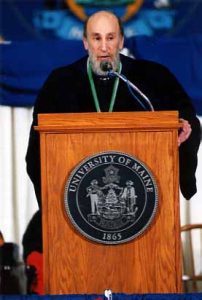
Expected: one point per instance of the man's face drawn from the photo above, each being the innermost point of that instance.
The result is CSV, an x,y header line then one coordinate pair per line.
x,y
103,41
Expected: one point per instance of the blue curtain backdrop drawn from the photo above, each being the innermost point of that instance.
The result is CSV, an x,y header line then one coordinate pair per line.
x,y
42,19
41,35
25,65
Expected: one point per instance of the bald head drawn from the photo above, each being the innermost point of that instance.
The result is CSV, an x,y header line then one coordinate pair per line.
x,y
103,14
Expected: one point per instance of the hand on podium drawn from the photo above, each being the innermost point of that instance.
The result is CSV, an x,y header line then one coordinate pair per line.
x,y
185,131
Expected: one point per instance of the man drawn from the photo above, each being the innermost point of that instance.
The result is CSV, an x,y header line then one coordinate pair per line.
x,y
85,87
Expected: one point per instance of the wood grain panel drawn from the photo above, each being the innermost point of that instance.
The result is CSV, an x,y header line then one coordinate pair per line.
x,y
73,264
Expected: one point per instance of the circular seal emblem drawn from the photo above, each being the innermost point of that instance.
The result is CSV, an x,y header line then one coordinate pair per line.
x,y
111,197
80,8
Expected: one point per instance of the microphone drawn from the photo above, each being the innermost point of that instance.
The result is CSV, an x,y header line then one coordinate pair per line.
x,y
106,66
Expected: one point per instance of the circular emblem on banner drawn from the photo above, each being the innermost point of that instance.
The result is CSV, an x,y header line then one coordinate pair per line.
x,y
79,7
111,197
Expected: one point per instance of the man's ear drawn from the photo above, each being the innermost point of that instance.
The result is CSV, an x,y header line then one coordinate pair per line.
x,y
85,43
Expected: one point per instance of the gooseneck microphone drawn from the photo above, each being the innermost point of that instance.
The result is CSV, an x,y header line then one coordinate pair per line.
x,y
106,66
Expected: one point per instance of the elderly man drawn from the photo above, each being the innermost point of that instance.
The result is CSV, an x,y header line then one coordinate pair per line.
x,y
85,86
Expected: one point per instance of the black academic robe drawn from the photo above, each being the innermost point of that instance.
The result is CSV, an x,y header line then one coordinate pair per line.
x,y
67,89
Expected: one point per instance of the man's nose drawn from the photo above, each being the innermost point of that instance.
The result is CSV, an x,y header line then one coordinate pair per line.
x,y
104,45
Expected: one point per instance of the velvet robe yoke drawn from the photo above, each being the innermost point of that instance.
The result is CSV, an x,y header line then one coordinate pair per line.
x,y
67,89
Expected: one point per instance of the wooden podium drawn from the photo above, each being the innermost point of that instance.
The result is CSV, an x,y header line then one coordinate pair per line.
x,y
73,264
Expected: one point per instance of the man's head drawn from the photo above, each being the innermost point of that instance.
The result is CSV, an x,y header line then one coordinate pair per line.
x,y
103,38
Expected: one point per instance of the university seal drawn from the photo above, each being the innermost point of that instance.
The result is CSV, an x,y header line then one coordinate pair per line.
x,y
111,197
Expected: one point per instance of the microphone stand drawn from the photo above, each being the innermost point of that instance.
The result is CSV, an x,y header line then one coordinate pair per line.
x,y
130,84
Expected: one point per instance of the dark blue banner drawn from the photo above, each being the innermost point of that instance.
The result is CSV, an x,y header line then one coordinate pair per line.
x,y
41,19
39,35
26,65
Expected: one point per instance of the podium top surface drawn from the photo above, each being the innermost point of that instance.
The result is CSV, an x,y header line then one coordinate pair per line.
x,y
108,120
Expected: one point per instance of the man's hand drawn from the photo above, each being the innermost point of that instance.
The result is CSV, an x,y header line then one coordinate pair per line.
x,y
185,131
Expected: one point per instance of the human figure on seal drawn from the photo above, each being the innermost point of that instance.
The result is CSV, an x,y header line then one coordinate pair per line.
x,y
129,195
94,192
